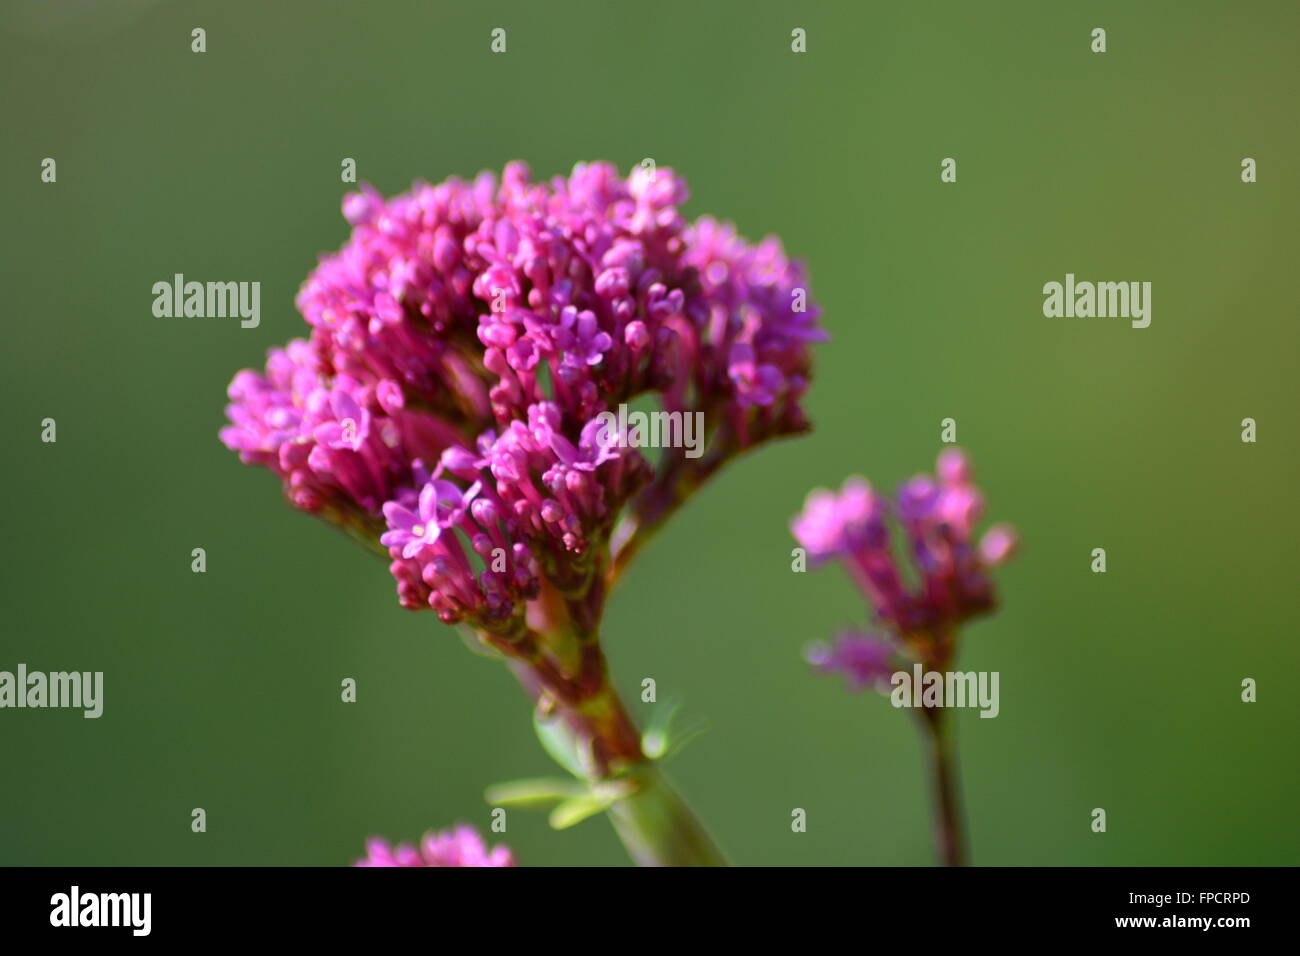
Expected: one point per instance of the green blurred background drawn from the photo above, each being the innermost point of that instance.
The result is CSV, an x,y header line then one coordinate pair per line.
x,y
222,689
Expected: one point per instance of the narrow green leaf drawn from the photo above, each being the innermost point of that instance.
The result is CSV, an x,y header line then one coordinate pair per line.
x,y
564,748
655,740
533,792
576,809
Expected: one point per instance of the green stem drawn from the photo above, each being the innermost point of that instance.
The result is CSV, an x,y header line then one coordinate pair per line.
x,y
653,821
657,827
947,801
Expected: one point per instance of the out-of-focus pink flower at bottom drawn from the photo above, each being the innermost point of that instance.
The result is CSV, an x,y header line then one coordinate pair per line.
x,y
459,846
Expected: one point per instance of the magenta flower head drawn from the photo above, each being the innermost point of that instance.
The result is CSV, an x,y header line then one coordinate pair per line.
x,y
459,846
937,518
479,329
467,347
865,660
920,592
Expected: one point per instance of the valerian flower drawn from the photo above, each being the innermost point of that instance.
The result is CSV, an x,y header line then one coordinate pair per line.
x,y
919,591
459,846
498,320
937,518
865,660
467,345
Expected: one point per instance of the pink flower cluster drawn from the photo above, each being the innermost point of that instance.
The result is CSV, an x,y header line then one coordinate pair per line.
x,y
459,846
464,341
937,516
